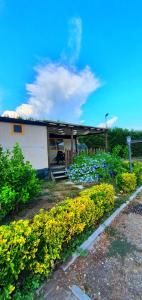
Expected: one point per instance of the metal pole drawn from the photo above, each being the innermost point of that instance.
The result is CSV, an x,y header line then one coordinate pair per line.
x,y
130,153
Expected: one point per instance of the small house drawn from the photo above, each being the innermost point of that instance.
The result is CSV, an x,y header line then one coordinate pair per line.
x,y
44,143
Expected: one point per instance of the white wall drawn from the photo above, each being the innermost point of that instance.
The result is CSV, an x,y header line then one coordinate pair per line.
x,y
33,142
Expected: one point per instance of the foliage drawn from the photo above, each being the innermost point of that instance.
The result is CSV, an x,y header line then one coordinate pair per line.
x,y
18,181
121,151
32,249
137,169
100,192
116,150
98,167
126,182
116,136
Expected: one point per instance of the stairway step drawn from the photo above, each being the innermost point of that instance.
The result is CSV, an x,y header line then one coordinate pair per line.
x,y
62,176
58,172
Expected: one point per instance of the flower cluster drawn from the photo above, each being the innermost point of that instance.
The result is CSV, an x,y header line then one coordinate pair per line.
x,y
96,168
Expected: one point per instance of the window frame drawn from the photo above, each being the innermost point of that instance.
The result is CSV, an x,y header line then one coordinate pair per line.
x,y
14,132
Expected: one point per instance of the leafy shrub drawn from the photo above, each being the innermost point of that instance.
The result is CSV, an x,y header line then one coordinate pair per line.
x,y
18,246
101,167
18,181
33,248
121,151
100,192
137,169
126,182
117,150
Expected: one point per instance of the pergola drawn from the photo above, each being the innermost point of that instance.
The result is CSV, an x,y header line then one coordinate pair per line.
x,y
69,130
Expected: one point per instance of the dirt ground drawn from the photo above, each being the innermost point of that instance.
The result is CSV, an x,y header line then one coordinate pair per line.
x,y
112,270
51,194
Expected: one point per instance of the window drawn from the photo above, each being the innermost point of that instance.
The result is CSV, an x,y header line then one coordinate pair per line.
x,y
60,144
52,144
56,144
17,128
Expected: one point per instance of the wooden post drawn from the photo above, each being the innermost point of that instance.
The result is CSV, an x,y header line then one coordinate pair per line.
x,y
76,145
71,146
106,140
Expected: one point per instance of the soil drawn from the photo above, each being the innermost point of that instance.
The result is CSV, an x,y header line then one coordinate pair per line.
x,y
112,270
52,193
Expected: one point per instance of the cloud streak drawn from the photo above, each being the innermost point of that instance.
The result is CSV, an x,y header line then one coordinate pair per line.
x,y
75,38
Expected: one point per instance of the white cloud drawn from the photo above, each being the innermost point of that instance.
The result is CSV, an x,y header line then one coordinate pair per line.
x,y
59,89
109,123
58,93
10,114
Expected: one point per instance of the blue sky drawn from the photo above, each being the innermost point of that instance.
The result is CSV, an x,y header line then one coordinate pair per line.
x,y
72,60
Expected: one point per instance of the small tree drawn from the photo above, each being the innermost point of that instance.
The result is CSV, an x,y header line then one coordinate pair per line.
x,y
18,181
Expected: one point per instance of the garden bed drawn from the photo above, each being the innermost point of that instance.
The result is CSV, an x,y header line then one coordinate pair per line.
x,y
36,244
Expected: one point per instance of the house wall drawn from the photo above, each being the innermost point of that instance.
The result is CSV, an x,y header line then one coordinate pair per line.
x,y
33,142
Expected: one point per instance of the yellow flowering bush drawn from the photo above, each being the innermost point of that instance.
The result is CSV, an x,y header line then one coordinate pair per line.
x,y
102,195
34,247
127,182
18,246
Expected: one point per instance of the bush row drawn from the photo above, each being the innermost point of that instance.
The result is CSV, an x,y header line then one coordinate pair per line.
x,y
33,248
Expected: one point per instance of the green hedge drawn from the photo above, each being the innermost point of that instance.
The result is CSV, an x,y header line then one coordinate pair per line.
x,y
33,248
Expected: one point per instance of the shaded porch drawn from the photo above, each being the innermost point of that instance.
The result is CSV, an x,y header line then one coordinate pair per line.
x,y
63,138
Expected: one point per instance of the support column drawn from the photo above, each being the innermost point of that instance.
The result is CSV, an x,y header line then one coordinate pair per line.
x,y
71,146
106,141
76,145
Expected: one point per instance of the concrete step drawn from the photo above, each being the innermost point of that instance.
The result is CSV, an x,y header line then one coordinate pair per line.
x,y
62,176
59,172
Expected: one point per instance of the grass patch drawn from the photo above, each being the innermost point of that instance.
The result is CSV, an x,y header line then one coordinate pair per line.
x,y
50,184
120,247
112,232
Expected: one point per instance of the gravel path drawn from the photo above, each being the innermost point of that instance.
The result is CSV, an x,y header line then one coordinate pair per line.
x,y
112,270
